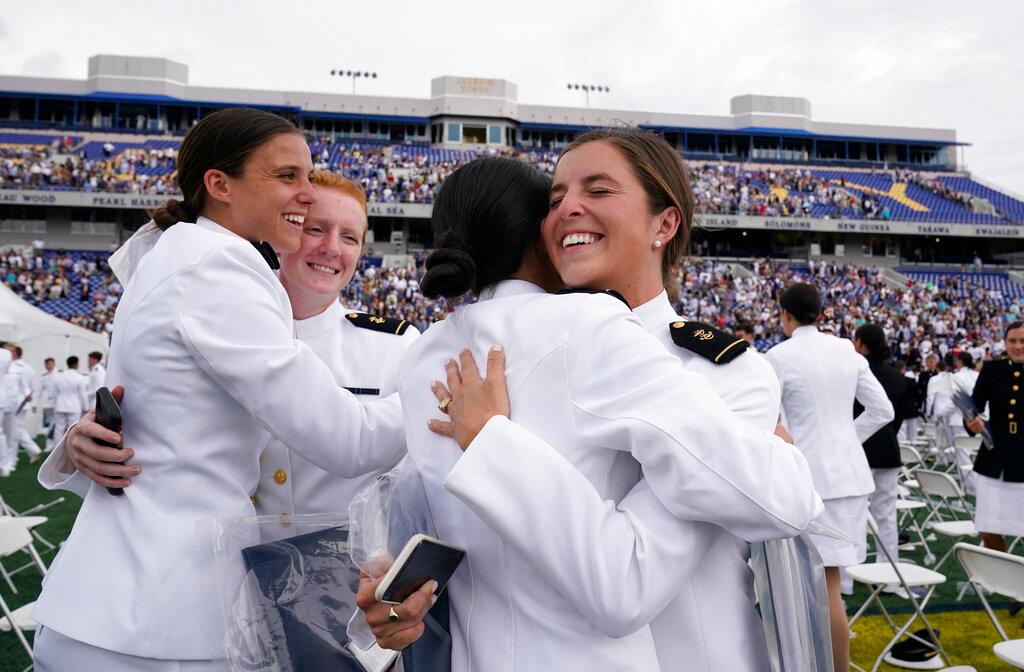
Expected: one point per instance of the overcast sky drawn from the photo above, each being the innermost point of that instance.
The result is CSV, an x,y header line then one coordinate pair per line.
x,y
933,63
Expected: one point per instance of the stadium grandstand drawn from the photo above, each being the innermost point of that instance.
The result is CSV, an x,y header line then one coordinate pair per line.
x,y
881,217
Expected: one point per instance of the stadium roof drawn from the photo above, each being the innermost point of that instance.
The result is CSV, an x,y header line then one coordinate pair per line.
x,y
130,79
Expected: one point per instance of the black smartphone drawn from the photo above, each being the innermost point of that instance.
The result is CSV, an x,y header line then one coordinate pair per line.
x,y
423,559
108,414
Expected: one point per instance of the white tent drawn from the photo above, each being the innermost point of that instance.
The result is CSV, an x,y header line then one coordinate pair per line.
x,y
42,335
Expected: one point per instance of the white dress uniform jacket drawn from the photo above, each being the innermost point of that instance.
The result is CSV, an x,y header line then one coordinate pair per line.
x,y
203,344
712,623
939,404
366,363
46,391
585,377
964,380
26,380
96,377
70,392
821,375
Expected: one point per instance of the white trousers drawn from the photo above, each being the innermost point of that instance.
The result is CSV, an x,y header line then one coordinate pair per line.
x,y
908,430
17,437
882,504
56,653
5,460
62,422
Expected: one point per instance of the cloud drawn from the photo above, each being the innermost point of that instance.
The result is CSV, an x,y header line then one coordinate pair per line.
x,y
942,64
45,64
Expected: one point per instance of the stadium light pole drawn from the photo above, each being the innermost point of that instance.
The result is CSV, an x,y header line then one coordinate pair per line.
x,y
587,88
354,75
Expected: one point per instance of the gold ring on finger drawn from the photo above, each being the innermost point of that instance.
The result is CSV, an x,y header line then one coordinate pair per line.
x,y
443,406
393,615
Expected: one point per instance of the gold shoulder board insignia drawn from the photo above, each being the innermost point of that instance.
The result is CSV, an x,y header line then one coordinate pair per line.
x,y
387,325
712,344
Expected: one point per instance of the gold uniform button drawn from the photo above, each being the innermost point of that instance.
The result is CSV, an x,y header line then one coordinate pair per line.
x,y
1016,374
1009,416
1015,388
679,325
280,477
1013,402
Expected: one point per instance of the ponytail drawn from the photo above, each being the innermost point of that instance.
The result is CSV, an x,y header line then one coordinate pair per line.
x,y
172,212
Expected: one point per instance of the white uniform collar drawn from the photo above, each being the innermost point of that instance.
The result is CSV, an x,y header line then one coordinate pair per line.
x,y
509,288
656,313
318,324
805,330
209,224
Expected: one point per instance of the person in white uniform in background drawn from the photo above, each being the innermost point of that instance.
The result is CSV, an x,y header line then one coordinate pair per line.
x,y
19,383
821,376
964,376
940,409
97,372
203,342
6,357
45,400
524,528
69,396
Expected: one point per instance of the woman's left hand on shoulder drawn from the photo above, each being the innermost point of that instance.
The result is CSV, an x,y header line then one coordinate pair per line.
x,y
469,400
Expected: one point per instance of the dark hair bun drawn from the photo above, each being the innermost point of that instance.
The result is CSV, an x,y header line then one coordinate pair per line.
x,y
451,272
172,212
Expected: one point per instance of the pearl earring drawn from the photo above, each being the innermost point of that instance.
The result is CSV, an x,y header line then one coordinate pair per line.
x,y
657,243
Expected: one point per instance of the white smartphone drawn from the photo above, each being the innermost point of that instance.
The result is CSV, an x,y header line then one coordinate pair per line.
x,y
423,559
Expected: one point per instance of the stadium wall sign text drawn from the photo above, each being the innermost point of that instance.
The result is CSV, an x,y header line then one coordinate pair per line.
x,y
81,199
857,226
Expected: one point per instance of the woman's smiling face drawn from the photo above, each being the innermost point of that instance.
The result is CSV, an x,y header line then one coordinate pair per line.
x,y
600,231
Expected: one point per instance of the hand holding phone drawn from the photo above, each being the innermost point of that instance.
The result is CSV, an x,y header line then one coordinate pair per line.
x,y
108,415
423,559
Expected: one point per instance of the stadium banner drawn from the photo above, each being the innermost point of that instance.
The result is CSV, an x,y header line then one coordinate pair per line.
x,y
82,199
868,226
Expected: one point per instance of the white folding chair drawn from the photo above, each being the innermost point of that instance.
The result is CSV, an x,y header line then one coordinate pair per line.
x,y
891,574
996,572
905,512
7,509
30,522
14,537
939,489
912,461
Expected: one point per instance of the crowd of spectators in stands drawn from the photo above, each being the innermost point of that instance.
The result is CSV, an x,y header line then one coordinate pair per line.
x,y
920,318
406,174
82,290
135,171
942,316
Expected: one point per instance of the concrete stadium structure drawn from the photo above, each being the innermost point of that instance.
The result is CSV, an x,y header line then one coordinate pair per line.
x,y
142,98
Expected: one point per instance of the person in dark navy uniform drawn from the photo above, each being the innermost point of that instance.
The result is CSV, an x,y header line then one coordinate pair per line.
x,y
999,469
882,448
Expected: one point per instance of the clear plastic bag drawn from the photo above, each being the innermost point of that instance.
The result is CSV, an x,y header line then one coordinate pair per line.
x,y
385,515
287,591
789,579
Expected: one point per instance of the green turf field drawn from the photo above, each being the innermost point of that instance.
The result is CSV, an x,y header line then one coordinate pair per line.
x,y
967,633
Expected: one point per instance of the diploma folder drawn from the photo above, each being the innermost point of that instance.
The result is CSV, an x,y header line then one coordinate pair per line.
x,y
305,589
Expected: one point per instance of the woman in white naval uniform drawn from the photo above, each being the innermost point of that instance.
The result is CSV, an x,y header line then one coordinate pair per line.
x,y
203,341
712,622
586,377
821,376
363,354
